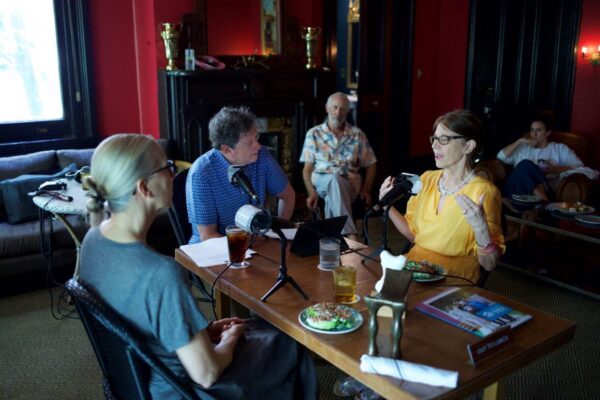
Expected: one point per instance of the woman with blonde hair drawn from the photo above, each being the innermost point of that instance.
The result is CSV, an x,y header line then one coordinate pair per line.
x,y
229,358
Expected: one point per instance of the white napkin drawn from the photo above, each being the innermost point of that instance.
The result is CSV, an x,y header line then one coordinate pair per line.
x,y
409,371
389,261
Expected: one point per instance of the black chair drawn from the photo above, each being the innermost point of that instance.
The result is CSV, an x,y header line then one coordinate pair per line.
x,y
178,210
124,357
181,225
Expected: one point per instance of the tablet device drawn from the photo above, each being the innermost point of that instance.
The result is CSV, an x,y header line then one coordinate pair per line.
x,y
306,241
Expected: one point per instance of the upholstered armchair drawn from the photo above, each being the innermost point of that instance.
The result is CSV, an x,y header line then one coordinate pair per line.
x,y
575,187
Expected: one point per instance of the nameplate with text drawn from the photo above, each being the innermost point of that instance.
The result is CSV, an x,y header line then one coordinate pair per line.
x,y
489,345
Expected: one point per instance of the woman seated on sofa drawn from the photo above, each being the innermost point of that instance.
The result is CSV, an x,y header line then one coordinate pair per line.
x,y
229,358
454,221
538,162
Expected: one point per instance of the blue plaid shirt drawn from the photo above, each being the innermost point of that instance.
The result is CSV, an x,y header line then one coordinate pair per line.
x,y
212,199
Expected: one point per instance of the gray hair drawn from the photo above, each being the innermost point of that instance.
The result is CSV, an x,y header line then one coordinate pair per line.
x,y
229,125
118,163
340,94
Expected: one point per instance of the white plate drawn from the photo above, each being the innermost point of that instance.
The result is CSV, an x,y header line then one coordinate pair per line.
x,y
356,317
526,198
588,219
588,210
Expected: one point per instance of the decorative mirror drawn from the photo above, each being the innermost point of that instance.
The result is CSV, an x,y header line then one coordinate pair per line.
x,y
353,56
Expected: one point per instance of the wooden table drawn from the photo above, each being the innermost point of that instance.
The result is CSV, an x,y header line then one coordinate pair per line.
x,y
425,339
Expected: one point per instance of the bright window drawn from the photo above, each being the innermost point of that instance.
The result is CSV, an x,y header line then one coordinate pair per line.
x,y
29,73
45,86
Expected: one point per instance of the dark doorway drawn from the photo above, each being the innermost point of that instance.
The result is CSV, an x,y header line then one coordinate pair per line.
x,y
521,61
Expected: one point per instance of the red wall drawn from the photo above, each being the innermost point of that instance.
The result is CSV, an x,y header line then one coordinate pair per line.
x,y
114,67
128,50
439,63
585,118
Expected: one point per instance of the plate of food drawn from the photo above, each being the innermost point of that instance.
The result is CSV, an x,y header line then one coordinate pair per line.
x,y
526,198
588,219
330,318
573,208
426,271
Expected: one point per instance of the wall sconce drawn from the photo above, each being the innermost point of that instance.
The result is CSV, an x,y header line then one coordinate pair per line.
x,y
592,57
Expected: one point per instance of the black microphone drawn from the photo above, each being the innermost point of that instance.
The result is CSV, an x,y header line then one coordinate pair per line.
x,y
238,178
404,185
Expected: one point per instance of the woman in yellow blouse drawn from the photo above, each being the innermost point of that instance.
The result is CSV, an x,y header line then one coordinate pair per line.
x,y
454,221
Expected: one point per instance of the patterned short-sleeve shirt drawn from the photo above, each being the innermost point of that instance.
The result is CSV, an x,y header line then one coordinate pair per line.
x,y
330,155
212,199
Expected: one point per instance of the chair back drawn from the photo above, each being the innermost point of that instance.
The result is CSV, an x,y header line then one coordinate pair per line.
x,y
124,357
178,211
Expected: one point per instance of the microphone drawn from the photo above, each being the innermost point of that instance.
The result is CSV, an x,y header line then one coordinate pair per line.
x,y
237,177
254,220
405,184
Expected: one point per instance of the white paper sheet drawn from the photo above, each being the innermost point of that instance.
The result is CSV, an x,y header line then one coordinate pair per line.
x,y
289,233
210,252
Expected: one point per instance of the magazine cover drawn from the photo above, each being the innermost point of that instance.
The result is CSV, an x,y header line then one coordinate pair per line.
x,y
471,312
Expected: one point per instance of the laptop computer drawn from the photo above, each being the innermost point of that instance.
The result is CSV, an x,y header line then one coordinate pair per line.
x,y
306,241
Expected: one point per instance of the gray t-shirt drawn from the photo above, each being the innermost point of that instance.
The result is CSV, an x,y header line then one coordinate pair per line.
x,y
149,290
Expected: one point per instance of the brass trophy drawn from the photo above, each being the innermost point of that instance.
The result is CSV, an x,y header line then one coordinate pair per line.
x,y
310,34
170,34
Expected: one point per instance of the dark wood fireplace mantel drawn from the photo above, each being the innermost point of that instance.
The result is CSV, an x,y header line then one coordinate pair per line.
x,y
188,99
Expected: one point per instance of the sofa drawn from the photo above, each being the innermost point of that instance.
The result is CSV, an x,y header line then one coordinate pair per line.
x,y
20,240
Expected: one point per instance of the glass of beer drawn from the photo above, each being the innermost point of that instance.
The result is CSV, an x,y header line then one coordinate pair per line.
x,y
344,285
237,243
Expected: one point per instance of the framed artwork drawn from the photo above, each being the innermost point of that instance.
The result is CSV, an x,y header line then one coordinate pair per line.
x,y
270,26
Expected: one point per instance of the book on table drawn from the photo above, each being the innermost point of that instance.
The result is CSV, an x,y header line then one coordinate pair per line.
x,y
471,311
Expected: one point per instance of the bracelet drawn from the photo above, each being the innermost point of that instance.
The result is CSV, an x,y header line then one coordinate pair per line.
x,y
487,249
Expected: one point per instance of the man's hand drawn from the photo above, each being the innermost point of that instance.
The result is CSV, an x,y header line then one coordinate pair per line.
x,y
365,195
312,201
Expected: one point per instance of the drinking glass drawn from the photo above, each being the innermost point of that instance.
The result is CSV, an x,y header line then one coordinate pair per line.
x,y
329,253
237,243
344,284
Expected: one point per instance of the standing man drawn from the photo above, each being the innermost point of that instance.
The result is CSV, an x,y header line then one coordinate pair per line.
x,y
333,154
212,201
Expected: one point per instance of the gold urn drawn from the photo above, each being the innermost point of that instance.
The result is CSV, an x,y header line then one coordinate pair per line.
x,y
310,34
170,34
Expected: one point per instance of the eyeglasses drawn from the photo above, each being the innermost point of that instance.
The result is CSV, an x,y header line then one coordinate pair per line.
x,y
170,166
444,139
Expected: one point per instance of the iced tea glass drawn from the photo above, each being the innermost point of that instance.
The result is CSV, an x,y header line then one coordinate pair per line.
x,y
237,243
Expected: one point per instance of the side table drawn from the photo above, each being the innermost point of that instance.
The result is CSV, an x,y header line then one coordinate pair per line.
x,y
59,208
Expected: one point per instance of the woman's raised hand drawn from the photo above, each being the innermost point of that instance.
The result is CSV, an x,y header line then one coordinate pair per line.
x,y
472,211
386,186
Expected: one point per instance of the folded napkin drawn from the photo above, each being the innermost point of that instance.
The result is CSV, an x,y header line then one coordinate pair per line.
x,y
408,371
388,260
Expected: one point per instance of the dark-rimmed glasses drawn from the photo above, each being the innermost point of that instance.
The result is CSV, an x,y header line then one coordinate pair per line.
x,y
170,166
444,139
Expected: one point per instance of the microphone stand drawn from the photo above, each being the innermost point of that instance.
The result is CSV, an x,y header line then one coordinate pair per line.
x,y
283,277
384,241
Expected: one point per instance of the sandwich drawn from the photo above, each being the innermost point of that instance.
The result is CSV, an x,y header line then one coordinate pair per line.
x,y
329,316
